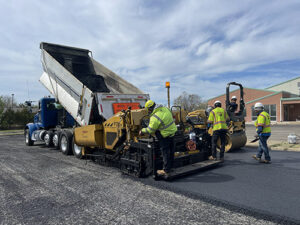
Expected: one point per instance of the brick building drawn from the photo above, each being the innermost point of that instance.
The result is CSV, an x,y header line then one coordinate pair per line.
x,y
281,101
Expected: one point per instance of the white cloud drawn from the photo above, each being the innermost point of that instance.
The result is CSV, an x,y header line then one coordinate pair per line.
x,y
190,43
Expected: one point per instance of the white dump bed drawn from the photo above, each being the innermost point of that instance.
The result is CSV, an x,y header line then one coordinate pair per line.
x,y
82,85
109,104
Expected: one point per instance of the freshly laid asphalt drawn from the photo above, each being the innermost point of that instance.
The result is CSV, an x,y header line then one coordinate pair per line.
x,y
41,186
272,189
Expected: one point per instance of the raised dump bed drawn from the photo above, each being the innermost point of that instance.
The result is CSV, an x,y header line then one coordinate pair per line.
x,y
80,83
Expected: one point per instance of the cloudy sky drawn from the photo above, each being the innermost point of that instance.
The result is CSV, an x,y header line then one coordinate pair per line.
x,y
197,45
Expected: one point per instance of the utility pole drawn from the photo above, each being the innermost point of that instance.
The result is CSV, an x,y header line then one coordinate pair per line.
x,y
12,100
168,91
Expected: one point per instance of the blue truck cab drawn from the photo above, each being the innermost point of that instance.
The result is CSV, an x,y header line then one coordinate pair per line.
x,y
47,123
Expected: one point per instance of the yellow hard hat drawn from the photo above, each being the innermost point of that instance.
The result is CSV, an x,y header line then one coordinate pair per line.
x,y
149,104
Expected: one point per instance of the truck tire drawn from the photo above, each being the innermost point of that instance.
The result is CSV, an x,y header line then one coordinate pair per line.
x,y
55,140
28,140
48,138
77,150
66,142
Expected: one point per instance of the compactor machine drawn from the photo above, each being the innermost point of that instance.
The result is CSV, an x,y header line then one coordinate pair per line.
x,y
236,137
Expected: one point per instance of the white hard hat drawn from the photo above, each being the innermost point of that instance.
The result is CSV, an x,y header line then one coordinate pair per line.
x,y
258,105
216,102
233,97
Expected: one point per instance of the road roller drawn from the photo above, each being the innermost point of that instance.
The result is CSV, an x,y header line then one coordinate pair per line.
x,y
196,123
236,136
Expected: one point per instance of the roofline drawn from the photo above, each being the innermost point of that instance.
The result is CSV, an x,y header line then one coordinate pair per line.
x,y
266,96
283,82
290,99
244,91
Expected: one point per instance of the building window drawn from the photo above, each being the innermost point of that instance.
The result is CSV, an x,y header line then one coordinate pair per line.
x,y
271,109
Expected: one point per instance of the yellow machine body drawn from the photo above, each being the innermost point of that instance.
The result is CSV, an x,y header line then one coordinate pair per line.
x,y
90,135
113,130
199,118
236,136
123,123
236,126
108,134
235,140
180,116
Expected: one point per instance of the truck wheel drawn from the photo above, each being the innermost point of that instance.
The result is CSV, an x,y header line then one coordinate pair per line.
x,y
28,140
48,138
66,143
77,150
55,140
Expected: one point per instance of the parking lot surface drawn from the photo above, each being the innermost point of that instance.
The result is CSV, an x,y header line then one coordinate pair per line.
x,y
39,185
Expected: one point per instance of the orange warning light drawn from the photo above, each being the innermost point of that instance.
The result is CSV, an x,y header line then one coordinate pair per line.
x,y
167,84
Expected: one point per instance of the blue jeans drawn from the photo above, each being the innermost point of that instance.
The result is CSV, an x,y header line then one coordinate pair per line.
x,y
263,148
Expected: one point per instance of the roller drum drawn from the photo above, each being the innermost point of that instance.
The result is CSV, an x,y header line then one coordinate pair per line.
x,y
235,140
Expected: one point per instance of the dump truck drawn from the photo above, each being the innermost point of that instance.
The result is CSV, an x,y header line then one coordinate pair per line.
x,y
97,114
87,93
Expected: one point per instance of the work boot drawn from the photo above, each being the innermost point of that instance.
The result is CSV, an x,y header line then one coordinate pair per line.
x,y
256,158
265,161
212,158
162,173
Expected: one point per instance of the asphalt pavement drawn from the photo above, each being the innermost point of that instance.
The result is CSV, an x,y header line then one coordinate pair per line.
x,y
39,185
272,189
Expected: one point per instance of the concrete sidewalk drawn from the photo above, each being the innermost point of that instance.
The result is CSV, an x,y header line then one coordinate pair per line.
x,y
277,145
279,137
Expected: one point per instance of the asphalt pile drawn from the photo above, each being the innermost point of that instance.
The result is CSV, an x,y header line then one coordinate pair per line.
x,y
95,83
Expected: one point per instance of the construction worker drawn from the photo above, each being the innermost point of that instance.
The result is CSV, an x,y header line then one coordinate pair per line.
x,y
163,126
263,131
218,118
233,104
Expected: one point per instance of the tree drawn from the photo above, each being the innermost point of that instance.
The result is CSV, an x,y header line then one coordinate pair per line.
x,y
190,102
7,119
13,118
2,105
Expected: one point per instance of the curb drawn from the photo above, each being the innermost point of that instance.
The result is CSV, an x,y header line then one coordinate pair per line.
x,y
277,148
10,133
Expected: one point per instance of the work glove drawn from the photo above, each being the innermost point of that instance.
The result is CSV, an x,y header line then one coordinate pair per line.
x,y
140,133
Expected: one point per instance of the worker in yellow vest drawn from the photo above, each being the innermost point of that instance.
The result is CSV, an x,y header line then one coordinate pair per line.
x,y
163,126
218,118
263,131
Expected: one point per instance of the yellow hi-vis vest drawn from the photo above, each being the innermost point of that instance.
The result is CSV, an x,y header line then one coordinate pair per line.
x,y
263,120
218,117
161,119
